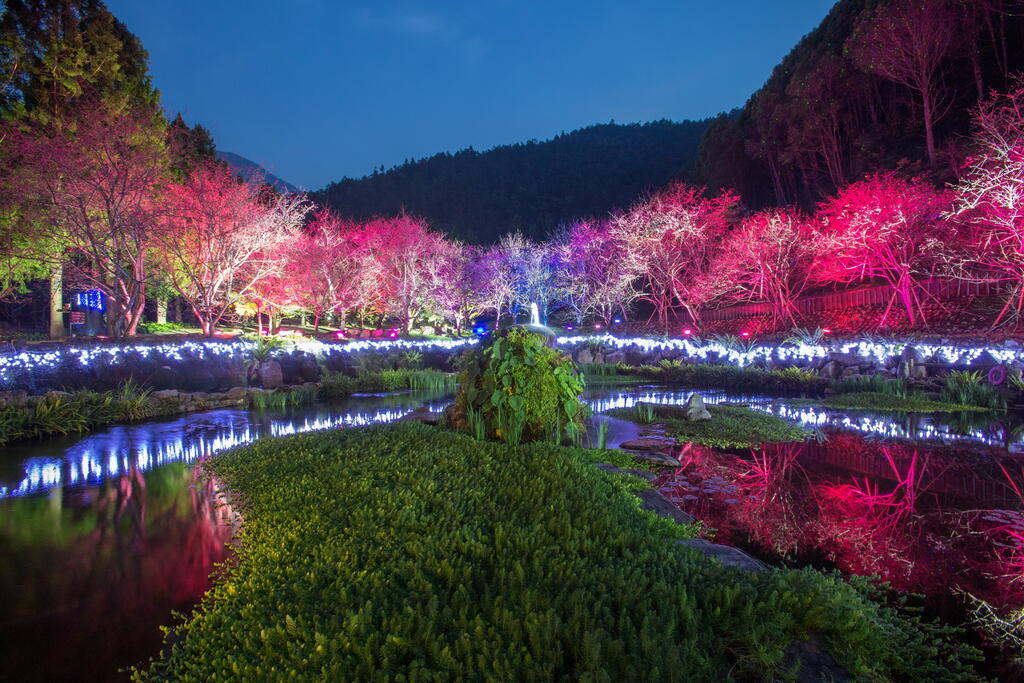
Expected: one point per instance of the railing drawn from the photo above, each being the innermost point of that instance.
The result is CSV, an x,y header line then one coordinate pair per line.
x,y
941,289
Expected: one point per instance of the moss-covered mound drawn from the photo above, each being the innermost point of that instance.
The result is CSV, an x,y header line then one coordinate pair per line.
x,y
873,400
411,553
729,426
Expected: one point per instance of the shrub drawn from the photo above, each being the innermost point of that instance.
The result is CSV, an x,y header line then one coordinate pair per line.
x,y
728,377
160,328
966,388
410,553
523,389
876,384
411,360
336,385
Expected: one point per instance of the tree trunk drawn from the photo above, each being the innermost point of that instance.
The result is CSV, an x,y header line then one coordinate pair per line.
x,y
161,310
57,330
929,133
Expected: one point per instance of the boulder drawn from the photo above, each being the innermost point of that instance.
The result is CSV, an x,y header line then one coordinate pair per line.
x,y
421,414
165,395
236,394
615,357
812,663
15,397
694,410
727,555
830,370
853,371
612,469
652,500
918,372
58,395
270,374
649,443
656,459
584,356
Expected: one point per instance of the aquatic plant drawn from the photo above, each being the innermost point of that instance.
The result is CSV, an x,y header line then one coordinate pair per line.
x,y
966,388
729,426
524,389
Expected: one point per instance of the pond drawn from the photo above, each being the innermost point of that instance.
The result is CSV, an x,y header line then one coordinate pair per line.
x,y
103,536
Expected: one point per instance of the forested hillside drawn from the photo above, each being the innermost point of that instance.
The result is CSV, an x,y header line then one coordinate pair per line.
x,y
532,186
877,86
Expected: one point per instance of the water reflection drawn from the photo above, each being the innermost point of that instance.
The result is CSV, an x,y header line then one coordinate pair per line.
x,y
936,520
90,459
88,573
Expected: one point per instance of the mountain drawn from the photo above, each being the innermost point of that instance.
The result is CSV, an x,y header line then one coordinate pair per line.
x,y
834,109
532,186
248,169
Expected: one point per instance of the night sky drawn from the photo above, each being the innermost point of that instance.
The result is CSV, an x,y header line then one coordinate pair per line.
x,y
320,89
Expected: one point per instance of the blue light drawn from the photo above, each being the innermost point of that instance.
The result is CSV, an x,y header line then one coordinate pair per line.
x,y
617,321
92,299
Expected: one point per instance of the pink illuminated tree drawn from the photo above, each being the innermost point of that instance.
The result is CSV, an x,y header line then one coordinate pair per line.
x,y
321,273
405,261
989,199
887,229
770,257
86,188
221,238
673,238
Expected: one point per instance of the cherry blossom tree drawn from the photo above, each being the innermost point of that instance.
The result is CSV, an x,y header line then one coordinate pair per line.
x,y
885,228
406,261
321,272
86,187
770,258
222,237
594,278
497,280
462,291
989,199
906,41
672,238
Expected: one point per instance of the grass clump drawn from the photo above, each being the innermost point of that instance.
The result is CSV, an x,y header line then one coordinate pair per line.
x,y
282,398
410,553
67,413
728,377
609,373
402,379
729,426
872,400
966,388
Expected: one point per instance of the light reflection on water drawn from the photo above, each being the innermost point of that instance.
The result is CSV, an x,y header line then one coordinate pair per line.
x,y
75,461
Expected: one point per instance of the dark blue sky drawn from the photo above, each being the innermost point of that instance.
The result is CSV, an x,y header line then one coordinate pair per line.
x,y
319,89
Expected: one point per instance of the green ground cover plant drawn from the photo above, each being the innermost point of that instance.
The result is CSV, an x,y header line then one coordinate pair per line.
x,y
729,426
407,552
918,403
966,388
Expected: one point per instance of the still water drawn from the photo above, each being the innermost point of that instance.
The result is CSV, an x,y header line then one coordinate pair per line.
x,y
103,536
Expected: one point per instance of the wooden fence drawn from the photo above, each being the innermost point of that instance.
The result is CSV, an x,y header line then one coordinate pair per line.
x,y
943,290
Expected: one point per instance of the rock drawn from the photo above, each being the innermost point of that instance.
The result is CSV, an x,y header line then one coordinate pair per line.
x,y
15,397
853,371
985,360
652,500
918,372
421,414
652,431
236,393
598,357
270,374
812,662
612,469
584,356
727,555
846,359
657,459
58,395
615,357
694,410
165,395
649,443
830,370
910,353
198,396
